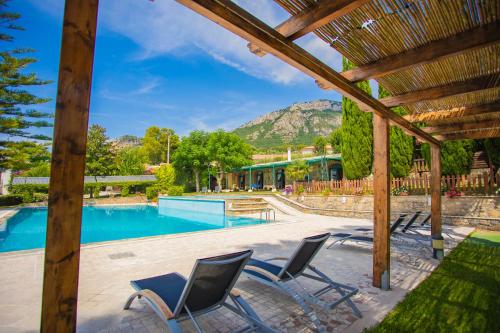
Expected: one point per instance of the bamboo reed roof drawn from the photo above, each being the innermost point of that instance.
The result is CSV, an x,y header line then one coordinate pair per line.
x,y
379,29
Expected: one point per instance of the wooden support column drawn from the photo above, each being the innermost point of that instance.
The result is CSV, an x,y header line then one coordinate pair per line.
x,y
62,251
381,203
437,238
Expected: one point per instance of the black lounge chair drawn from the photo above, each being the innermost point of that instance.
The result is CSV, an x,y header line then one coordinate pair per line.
x,y
341,238
173,298
277,276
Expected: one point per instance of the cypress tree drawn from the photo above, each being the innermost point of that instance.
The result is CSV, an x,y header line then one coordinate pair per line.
x,y
401,147
356,135
456,156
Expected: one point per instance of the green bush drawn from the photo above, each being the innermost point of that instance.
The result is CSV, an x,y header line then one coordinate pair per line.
x,y
96,191
40,197
152,192
125,190
10,200
176,190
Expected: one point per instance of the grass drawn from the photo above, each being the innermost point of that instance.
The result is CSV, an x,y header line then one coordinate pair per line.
x,y
461,295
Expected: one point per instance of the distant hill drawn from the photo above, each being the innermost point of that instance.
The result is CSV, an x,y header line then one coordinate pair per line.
x,y
297,124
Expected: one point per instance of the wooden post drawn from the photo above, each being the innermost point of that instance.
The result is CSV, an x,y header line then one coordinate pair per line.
x,y
62,252
381,203
437,238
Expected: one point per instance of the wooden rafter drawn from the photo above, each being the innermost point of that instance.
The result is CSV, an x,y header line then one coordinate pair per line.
x,y
235,19
319,14
475,134
453,89
451,46
459,127
458,114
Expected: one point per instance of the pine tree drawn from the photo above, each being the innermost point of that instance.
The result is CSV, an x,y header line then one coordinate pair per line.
x,y
15,115
402,145
357,135
456,156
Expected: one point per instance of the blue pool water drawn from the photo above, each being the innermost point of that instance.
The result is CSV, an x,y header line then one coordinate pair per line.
x,y
26,230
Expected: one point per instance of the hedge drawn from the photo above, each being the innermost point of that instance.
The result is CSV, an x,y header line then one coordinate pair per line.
x,y
10,200
35,192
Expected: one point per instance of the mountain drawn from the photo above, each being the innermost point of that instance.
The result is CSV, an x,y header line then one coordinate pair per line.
x,y
297,124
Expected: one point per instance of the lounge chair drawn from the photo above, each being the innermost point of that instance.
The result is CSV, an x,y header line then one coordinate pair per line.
x,y
173,298
298,265
341,238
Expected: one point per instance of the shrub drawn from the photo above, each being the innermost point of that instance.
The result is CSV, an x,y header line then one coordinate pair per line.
x,y
125,190
176,190
40,197
10,200
152,192
96,191
326,192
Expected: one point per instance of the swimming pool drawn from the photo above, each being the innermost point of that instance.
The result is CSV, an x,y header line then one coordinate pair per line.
x,y
26,230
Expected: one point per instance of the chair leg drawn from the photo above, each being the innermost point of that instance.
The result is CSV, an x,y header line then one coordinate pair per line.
x,y
249,314
174,326
303,304
339,289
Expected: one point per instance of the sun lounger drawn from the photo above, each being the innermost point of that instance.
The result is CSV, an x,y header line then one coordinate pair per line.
x,y
341,238
298,265
173,298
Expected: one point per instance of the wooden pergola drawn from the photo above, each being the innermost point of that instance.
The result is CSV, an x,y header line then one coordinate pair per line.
x,y
440,60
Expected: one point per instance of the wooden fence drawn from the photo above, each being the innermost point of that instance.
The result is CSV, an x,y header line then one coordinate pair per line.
x,y
477,184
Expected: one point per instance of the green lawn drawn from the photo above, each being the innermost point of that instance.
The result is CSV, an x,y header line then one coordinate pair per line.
x,y
461,295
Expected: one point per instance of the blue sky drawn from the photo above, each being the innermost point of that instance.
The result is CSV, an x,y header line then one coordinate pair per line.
x,y
158,63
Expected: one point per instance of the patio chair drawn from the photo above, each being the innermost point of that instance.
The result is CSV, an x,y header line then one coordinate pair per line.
x,y
173,298
342,237
298,265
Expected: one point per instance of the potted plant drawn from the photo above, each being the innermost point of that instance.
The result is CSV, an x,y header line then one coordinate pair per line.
x,y
453,193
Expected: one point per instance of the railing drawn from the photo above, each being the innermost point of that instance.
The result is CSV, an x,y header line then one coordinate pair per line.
x,y
477,184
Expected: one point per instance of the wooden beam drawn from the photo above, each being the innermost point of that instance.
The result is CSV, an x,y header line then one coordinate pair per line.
x,y
475,135
460,127
466,41
453,89
232,17
457,114
317,15
62,251
437,239
381,203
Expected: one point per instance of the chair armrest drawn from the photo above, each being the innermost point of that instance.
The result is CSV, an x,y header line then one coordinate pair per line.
x,y
235,292
277,258
157,301
261,271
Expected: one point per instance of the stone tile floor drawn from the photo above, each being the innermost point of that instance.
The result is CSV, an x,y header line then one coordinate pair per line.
x,y
107,268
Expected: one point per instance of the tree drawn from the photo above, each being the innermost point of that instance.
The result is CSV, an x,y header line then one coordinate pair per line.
x,y
41,170
319,144
456,156
192,156
297,170
130,161
357,135
15,115
160,144
227,151
401,146
100,157
335,139
24,155
165,175
492,147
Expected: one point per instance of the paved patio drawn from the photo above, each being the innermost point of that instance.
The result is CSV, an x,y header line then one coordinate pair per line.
x,y
107,268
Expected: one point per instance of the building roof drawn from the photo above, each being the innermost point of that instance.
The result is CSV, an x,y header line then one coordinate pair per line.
x,y
308,160
87,180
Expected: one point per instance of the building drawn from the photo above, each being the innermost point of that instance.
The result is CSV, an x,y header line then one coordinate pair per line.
x,y
267,176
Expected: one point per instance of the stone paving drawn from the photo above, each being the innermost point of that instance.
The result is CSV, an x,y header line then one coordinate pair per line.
x,y
107,268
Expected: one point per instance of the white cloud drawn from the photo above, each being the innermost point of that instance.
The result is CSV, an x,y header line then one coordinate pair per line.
x,y
166,27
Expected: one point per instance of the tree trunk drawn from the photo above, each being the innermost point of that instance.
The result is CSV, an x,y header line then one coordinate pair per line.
x,y
197,179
